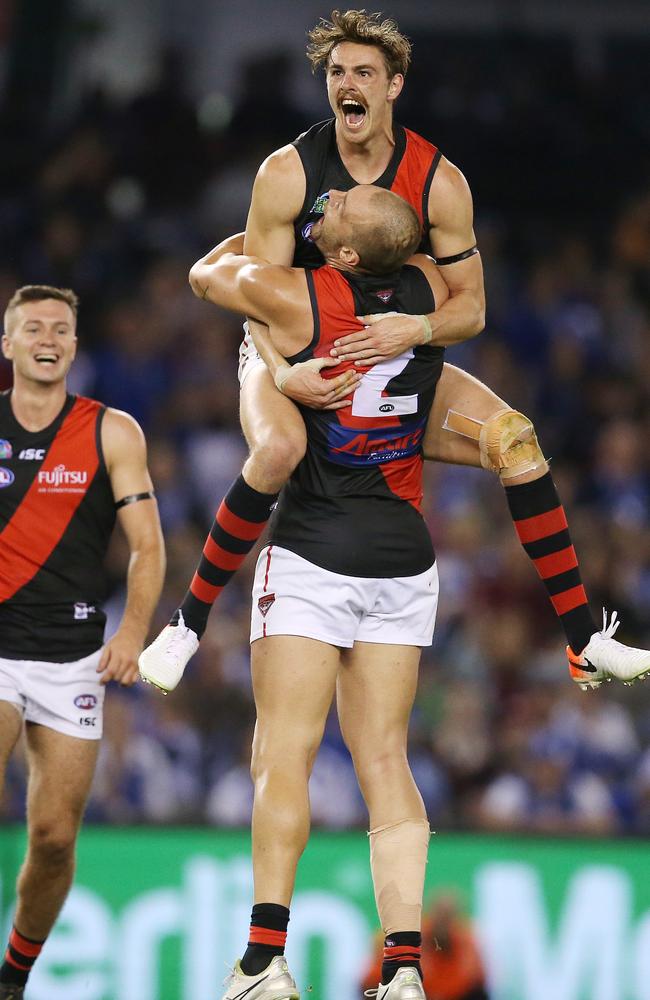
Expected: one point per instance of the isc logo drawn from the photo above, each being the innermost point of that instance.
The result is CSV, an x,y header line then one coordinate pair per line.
x,y
32,454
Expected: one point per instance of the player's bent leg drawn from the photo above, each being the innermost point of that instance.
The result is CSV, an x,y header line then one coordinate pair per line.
x,y
471,425
277,440
458,392
60,774
274,431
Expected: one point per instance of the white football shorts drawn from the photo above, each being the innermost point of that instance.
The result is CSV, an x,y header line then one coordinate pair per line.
x,y
292,596
66,697
248,356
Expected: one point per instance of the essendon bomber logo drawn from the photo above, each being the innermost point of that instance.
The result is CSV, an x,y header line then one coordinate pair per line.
x,y
62,480
264,604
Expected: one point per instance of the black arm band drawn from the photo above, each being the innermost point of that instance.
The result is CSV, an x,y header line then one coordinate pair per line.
x,y
457,256
133,498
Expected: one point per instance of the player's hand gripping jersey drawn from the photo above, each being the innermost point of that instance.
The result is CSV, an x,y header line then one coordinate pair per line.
x,y
353,504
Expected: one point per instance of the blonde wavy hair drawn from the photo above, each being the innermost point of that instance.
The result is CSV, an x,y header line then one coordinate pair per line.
x,y
363,29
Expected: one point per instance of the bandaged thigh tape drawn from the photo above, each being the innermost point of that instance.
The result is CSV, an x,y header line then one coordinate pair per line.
x,y
507,441
398,858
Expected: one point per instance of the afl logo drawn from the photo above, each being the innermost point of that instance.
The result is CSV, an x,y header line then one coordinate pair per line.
x,y
386,408
6,477
306,230
85,701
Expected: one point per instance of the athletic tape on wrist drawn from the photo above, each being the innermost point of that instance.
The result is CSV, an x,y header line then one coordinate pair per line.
x,y
426,328
282,373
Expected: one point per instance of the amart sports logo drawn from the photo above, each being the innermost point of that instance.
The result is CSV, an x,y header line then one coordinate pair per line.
x,y
62,480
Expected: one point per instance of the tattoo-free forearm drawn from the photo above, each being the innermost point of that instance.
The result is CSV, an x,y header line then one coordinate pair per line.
x,y
265,348
198,276
144,582
462,316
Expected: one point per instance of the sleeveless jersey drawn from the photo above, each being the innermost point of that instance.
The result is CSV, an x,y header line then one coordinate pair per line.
x,y
353,504
56,517
409,174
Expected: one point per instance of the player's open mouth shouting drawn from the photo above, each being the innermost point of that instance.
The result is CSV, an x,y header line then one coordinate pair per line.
x,y
354,112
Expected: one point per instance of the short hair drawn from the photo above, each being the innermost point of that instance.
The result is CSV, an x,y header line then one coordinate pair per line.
x,y
387,240
38,293
363,29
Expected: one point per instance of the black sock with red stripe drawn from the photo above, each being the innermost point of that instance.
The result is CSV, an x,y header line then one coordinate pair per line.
x,y
239,522
400,949
19,957
267,937
541,524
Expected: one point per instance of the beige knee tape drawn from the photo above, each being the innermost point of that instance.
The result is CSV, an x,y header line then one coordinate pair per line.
x,y
398,858
507,441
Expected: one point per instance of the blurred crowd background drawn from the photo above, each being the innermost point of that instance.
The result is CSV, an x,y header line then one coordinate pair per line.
x,y
114,190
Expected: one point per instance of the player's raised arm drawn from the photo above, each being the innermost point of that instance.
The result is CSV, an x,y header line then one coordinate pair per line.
x,y
278,195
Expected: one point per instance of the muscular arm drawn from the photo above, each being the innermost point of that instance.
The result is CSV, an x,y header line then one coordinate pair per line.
x,y
278,194
126,459
463,314
451,213
271,293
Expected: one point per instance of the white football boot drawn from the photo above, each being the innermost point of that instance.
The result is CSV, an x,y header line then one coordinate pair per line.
x,y
162,663
274,983
604,658
406,985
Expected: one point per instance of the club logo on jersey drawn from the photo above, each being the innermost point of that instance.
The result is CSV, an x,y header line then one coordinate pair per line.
x,y
32,454
6,451
264,604
6,477
62,480
82,610
85,702
318,207
385,294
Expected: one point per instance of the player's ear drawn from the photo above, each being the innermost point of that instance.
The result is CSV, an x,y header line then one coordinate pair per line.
x,y
395,87
349,256
6,346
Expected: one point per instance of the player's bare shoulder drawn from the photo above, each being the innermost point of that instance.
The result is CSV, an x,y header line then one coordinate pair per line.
x,y
121,436
450,196
281,183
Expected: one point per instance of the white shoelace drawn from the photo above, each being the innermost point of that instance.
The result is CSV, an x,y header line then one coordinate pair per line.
x,y
177,639
608,631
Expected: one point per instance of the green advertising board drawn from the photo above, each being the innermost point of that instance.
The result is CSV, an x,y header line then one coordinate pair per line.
x,y
160,915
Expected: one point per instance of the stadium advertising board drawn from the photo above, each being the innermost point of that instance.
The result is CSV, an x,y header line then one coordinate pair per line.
x,y
160,914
